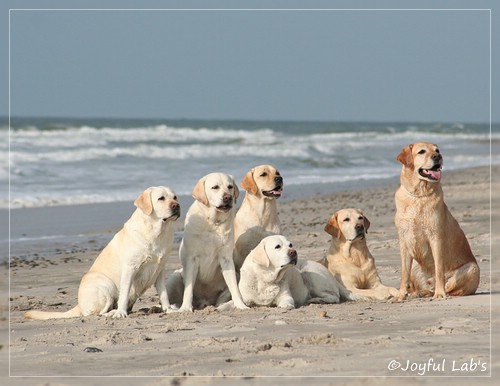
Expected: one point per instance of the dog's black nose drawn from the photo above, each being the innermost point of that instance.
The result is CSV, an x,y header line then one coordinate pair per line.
x,y
437,157
359,227
278,179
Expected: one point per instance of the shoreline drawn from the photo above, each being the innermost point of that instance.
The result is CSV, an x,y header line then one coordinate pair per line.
x,y
354,339
95,223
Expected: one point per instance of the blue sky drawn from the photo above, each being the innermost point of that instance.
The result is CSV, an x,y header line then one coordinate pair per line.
x,y
341,65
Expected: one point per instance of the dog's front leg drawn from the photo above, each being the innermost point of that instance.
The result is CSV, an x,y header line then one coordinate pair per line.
x,y
285,298
437,254
189,274
406,262
229,273
161,289
127,276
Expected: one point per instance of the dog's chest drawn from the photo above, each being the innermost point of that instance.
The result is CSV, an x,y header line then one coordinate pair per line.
x,y
419,216
265,295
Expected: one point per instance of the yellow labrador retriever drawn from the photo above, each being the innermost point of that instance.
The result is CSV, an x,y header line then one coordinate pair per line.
x,y
429,237
132,261
258,214
272,275
206,251
349,258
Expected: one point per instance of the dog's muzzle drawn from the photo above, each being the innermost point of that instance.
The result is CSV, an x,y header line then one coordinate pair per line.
x,y
274,193
176,213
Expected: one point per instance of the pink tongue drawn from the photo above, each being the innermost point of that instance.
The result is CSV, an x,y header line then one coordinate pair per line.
x,y
435,174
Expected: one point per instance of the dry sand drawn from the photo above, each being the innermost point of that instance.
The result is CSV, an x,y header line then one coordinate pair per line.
x,y
349,343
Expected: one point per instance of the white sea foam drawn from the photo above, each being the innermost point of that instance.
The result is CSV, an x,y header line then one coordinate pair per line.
x,y
87,163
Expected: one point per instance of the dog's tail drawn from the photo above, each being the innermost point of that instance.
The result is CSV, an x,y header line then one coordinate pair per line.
x,y
45,315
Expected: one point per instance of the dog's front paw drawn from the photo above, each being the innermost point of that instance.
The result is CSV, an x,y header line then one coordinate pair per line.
x,y
356,297
439,295
117,314
226,306
170,308
241,306
401,296
287,305
393,292
185,309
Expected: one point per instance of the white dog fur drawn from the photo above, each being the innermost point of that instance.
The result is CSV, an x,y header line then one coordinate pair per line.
x,y
206,251
272,275
132,261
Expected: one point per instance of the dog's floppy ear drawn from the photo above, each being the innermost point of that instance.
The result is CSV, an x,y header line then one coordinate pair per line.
x,y
199,193
249,184
366,222
144,203
259,255
236,190
406,157
332,227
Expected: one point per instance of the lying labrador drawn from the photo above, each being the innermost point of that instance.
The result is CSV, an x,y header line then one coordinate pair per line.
x,y
258,214
429,236
206,251
132,261
272,275
349,258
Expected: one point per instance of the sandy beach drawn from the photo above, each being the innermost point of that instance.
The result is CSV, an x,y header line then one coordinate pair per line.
x,y
353,343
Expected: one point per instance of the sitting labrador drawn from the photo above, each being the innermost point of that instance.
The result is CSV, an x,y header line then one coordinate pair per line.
x,y
258,214
132,261
206,251
429,236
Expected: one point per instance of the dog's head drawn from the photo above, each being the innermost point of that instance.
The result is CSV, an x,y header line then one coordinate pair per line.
x,y
274,253
263,180
349,224
217,190
159,202
423,159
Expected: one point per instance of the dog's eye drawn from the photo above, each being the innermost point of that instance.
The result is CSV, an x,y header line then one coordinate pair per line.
x,y
277,246
215,187
278,173
175,198
230,187
360,218
421,151
162,198
290,246
347,219
263,174
437,151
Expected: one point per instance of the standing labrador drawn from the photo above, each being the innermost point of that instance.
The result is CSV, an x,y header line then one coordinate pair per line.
x,y
429,236
206,251
349,258
132,261
258,214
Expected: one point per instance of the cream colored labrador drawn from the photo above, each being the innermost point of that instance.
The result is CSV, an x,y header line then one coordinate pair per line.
x,y
431,240
206,251
349,258
258,214
132,261
272,275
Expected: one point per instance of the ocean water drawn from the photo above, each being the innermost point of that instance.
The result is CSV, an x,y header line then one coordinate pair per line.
x,y
71,161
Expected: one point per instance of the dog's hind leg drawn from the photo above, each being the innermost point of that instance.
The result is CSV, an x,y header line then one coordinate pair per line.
x,y
463,280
